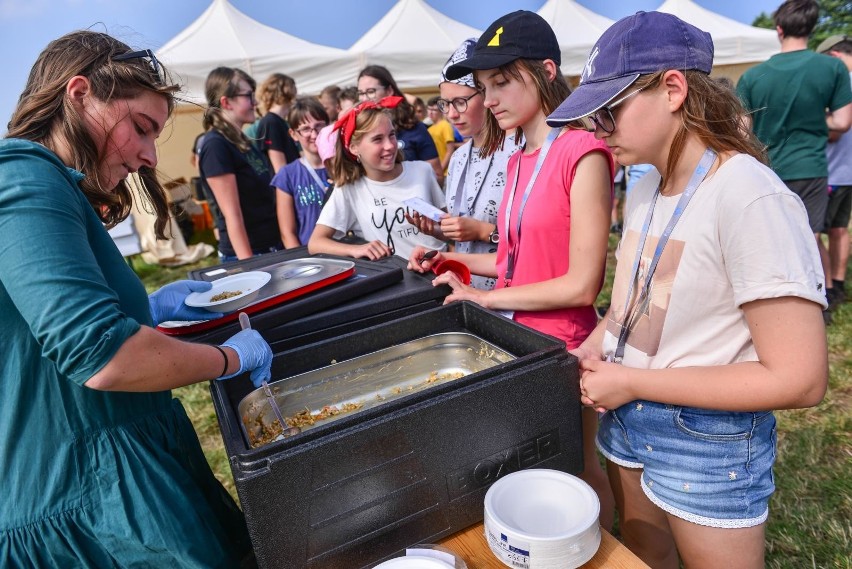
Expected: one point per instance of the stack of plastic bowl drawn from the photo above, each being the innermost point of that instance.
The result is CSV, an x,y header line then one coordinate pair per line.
x,y
542,519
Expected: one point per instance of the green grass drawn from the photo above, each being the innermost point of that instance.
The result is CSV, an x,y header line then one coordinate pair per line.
x,y
810,521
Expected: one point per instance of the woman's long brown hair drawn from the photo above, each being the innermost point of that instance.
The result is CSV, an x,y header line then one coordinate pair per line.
x,y
44,114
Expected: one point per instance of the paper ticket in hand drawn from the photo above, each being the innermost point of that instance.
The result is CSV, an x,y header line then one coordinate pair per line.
x,y
424,208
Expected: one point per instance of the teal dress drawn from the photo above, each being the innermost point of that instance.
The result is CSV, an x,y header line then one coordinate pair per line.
x,y
89,478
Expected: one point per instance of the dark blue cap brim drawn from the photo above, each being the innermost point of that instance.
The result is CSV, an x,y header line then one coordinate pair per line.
x,y
588,98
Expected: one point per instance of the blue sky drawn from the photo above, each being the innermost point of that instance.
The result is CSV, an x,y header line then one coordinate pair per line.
x,y
26,26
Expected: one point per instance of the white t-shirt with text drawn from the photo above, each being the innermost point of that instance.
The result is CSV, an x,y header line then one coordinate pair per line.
x,y
375,210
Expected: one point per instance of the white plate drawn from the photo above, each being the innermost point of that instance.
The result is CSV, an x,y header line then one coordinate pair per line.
x,y
247,283
413,562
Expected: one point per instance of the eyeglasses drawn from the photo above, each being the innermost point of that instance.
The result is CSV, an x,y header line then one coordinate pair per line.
x,y
603,116
459,103
249,94
369,93
306,131
144,54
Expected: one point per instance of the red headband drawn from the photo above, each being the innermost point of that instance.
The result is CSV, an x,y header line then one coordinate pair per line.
x,y
346,123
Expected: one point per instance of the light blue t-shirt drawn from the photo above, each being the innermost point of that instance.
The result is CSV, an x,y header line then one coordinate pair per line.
x,y
635,173
839,156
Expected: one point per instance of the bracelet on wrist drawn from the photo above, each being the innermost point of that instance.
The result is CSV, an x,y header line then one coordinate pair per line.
x,y
225,357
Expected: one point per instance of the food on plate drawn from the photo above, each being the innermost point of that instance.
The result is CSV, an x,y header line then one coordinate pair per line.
x,y
225,294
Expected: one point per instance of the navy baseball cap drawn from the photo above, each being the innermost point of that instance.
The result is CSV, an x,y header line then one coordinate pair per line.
x,y
519,35
646,42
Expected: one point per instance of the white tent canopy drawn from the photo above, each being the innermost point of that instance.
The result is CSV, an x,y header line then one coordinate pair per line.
x,y
577,29
734,42
224,36
413,40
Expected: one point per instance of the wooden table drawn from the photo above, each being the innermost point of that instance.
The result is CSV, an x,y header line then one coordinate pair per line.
x,y
470,545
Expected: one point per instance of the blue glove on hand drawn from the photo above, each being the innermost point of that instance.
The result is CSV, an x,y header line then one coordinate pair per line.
x,y
167,303
255,354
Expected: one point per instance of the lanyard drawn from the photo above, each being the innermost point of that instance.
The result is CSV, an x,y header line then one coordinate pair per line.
x,y
323,185
644,296
461,185
545,148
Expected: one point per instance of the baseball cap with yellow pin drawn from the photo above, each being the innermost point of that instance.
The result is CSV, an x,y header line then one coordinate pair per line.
x,y
518,35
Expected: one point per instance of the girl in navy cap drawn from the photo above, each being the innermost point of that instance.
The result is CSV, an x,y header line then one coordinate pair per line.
x,y
475,182
553,221
716,306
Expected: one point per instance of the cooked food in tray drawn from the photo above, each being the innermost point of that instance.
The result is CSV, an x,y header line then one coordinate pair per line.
x,y
324,395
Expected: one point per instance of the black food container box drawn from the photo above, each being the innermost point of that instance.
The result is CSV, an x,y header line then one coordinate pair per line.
x,y
359,491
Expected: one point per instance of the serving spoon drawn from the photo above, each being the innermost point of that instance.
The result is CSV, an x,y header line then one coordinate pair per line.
x,y
245,324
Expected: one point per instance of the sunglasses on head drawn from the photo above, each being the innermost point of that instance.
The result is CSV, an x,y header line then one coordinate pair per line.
x,y
144,54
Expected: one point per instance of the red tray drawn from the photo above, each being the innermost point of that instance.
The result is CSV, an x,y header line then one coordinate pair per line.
x,y
279,290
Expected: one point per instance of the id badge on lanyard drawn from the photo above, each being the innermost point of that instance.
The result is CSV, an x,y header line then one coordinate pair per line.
x,y
631,314
514,245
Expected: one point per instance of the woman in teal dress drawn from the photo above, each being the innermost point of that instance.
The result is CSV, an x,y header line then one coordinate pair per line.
x,y
99,466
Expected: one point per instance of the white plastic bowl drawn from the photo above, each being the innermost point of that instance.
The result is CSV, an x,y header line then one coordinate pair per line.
x,y
549,515
249,284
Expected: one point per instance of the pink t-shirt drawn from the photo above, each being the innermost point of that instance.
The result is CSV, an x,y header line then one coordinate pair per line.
x,y
542,253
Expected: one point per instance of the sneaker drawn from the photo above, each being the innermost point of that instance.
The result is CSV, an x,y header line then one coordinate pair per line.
x,y
826,317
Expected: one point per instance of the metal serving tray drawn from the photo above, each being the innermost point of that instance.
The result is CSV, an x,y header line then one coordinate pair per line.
x,y
366,381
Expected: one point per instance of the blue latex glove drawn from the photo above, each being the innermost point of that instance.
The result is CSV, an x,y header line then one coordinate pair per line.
x,y
167,303
255,354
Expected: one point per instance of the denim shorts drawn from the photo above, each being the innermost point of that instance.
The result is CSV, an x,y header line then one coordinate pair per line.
x,y
712,468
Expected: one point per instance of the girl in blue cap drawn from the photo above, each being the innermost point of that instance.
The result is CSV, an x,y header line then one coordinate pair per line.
x,y
716,305
553,220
